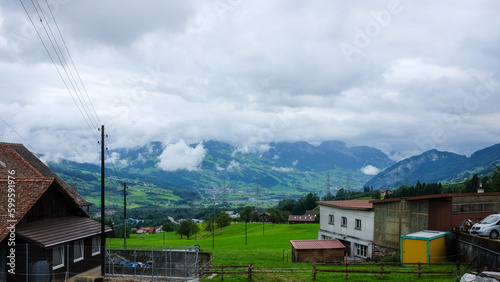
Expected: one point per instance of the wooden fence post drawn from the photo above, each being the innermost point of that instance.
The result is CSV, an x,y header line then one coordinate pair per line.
x,y
346,270
419,269
250,272
222,272
458,266
314,271
382,271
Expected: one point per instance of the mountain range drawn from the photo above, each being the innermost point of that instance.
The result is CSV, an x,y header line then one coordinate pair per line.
x,y
437,166
282,170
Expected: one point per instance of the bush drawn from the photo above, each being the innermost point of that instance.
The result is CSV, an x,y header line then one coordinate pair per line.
x,y
392,258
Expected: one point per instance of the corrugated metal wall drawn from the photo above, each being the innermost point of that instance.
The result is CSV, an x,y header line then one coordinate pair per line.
x,y
440,209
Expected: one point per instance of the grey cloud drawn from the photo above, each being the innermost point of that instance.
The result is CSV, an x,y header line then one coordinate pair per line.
x,y
121,23
251,72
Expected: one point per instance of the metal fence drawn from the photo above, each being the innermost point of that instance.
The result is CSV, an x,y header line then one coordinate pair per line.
x,y
33,262
171,264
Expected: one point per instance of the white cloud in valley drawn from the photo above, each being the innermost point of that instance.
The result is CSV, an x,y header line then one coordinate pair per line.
x,y
370,170
234,165
181,156
282,169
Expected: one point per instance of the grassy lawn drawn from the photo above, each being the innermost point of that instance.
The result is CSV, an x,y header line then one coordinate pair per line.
x,y
270,249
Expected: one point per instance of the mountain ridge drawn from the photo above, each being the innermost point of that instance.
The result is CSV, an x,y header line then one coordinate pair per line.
x,y
285,170
436,166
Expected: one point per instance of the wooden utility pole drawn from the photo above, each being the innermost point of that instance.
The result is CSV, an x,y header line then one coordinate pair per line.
x,y
124,216
103,234
213,231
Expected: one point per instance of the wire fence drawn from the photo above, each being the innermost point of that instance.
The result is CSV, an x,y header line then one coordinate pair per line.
x,y
34,262
172,263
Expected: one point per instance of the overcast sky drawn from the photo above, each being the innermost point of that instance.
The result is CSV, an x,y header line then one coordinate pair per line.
x,y
400,76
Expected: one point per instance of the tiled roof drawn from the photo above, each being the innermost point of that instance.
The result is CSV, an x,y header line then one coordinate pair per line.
x,y
312,212
31,179
317,244
28,191
436,196
147,229
56,231
305,218
26,164
354,204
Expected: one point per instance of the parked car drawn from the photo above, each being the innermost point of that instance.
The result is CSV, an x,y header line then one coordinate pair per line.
x,y
490,226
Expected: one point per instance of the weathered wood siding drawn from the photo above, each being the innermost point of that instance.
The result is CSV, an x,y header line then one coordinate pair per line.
x,y
317,255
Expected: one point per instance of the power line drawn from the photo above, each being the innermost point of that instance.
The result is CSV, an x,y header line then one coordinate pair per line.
x,y
91,123
61,57
113,169
24,140
73,63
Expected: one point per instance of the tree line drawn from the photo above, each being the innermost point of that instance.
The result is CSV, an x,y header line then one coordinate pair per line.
x,y
487,183
216,222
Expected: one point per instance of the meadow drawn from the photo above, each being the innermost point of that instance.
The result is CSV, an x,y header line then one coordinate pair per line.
x,y
267,247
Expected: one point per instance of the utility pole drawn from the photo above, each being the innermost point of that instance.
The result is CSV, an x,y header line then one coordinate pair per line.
x,y
124,216
328,183
213,229
103,235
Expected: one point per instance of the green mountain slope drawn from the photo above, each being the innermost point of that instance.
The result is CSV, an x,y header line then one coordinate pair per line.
x,y
437,166
286,170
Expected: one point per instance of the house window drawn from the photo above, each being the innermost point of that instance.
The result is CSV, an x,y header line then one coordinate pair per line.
x,y
96,245
78,251
344,221
57,257
358,224
330,219
361,250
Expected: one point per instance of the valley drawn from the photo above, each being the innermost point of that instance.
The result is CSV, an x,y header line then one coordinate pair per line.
x,y
228,176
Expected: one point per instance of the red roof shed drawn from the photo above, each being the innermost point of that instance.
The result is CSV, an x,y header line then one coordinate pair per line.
x,y
317,250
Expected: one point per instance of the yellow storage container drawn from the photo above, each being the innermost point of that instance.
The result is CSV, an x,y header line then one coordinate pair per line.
x,y
425,246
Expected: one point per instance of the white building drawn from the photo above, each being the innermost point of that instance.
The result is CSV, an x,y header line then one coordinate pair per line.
x,y
352,222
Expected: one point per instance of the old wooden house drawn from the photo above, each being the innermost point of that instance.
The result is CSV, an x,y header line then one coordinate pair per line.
x,y
329,250
45,225
264,216
300,219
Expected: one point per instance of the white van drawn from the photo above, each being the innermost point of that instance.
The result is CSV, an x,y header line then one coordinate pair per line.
x,y
490,226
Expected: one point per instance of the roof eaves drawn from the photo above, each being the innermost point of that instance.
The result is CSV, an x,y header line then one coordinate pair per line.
x,y
333,204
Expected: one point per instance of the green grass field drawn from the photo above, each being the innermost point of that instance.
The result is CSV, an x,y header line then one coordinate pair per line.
x,y
270,249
